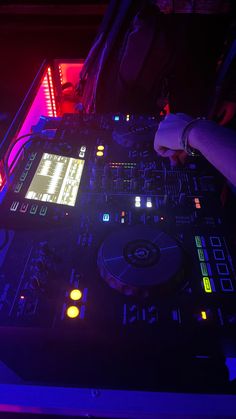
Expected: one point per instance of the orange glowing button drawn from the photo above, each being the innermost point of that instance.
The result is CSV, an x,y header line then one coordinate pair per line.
x,y
101,147
76,295
198,206
99,153
72,312
122,213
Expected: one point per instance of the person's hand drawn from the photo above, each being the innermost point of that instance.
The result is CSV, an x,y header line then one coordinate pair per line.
x,y
167,138
226,112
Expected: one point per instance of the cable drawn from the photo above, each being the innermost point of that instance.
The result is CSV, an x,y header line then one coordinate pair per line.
x,y
6,168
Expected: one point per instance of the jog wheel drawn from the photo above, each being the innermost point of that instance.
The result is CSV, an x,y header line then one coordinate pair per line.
x,y
140,260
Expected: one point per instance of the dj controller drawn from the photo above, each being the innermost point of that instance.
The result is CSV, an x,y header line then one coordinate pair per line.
x,y
117,269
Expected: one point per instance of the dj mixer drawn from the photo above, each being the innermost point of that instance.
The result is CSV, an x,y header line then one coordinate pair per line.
x,y
117,269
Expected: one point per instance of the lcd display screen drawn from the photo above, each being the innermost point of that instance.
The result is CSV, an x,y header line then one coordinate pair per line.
x,y
56,179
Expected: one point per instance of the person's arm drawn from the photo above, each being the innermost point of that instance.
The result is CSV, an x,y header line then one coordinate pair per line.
x,y
216,143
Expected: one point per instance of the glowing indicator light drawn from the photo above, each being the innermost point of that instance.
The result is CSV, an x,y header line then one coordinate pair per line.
x,y
22,297
106,217
76,295
99,153
149,203
72,312
198,241
198,206
101,147
127,118
137,204
207,284
196,200
203,315
162,218
137,199
122,220
116,118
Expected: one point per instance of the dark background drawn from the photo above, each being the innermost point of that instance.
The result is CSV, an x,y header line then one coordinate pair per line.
x,y
31,31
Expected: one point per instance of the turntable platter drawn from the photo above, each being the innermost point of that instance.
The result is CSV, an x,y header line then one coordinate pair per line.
x,y
141,259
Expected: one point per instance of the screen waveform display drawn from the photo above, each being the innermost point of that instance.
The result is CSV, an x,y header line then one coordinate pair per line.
x,y
56,179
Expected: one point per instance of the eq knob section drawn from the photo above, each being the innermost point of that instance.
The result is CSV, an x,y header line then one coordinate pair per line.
x,y
141,260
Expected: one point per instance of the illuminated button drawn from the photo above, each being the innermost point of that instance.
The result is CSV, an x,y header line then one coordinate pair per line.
x,y
18,187
33,209
122,220
137,199
72,312
32,156
215,241
116,118
226,284
43,211
204,269
207,284
201,255
99,154
28,166
24,207
137,204
149,203
127,117
23,176
222,269
14,206
204,315
198,206
122,213
196,200
76,295
106,217
219,254
101,147
83,148
198,241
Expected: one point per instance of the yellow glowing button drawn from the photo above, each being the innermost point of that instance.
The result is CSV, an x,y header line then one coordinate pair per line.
x,y
207,284
101,147
72,312
75,294
204,315
99,153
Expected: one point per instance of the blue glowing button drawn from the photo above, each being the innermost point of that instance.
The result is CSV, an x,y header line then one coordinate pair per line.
x,y
116,118
219,254
226,285
215,241
106,218
222,269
